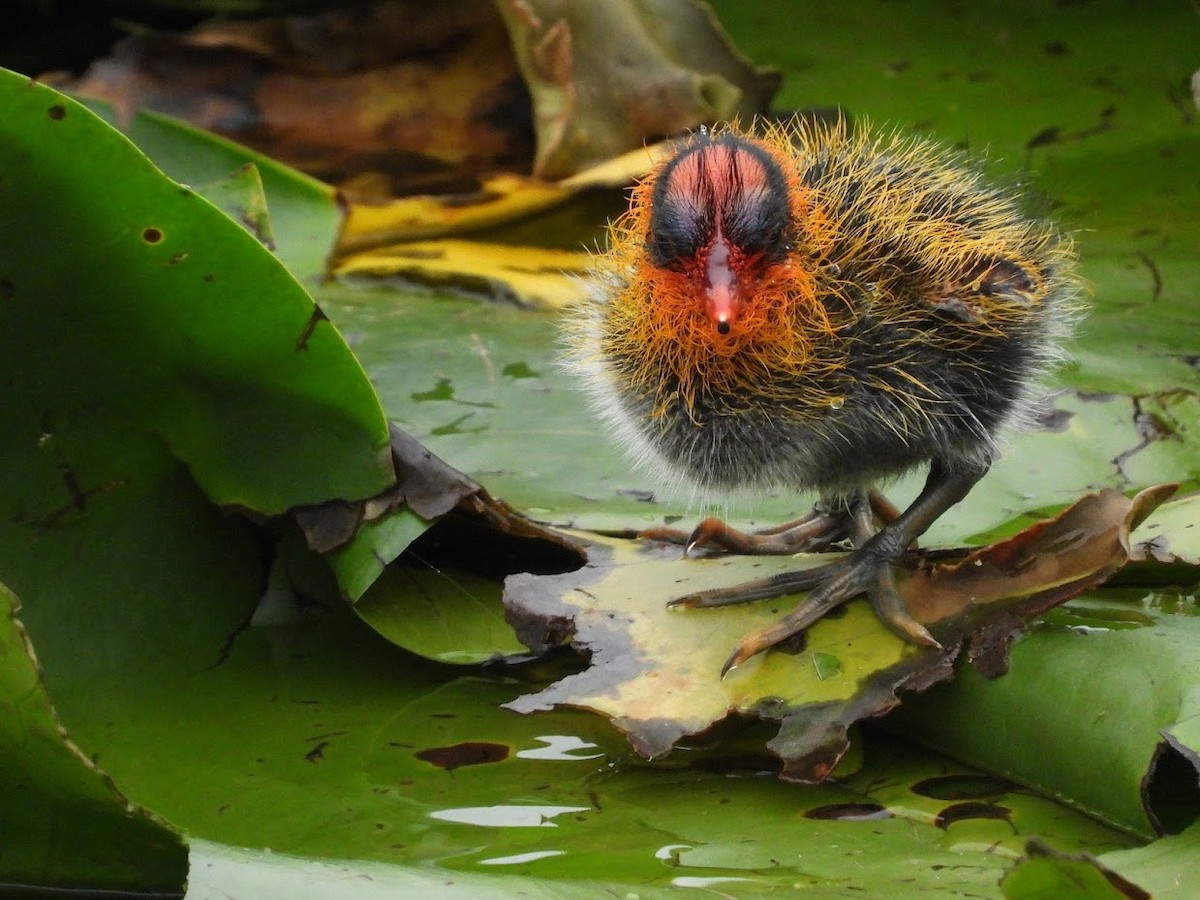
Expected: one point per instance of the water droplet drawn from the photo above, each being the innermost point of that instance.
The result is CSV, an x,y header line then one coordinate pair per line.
x,y
837,402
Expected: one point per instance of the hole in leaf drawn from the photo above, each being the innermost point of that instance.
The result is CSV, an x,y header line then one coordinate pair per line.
x,y
849,812
963,787
958,812
1171,792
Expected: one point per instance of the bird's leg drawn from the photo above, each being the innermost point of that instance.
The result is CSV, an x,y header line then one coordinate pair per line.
x,y
870,569
827,524
820,528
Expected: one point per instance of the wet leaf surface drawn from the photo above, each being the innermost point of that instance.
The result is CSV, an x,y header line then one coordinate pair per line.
x,y
655,672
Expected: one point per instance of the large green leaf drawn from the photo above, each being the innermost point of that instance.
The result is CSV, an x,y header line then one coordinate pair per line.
x,y
1126,746
139,304
65,824
149,343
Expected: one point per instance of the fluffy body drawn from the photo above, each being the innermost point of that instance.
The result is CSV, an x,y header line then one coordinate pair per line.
x,y
902,310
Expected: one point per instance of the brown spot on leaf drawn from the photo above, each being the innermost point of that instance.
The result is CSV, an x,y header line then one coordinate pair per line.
x,y
469,753
317,753
1044,137
152,235
57,112
317,316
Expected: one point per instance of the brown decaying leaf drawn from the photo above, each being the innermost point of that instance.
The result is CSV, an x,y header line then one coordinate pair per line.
x,y
607,74
979,601
429,487
426,96
422,116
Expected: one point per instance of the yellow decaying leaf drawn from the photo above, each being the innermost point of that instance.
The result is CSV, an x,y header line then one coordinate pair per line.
x,y
502,198
530,276
411,238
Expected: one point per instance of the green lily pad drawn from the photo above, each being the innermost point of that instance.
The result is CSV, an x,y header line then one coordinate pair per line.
x,y
65,824
158,320
305,214
1128,670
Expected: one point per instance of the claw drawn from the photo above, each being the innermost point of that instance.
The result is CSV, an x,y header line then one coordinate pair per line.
x,y
831,586
893,612
807,613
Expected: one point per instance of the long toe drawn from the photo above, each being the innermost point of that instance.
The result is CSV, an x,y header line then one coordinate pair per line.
x,y
837,587
817,530
832,585
761,589
891,609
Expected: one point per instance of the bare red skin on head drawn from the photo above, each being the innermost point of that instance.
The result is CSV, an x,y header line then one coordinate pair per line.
x,y
705,186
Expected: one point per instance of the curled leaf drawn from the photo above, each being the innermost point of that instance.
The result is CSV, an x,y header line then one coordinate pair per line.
x,y
655,672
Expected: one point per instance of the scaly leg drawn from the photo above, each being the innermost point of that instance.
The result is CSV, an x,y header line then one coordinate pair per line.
x,y
870,569
827,524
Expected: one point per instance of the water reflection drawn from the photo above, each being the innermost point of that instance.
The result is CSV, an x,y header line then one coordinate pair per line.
x,y
559,747
506,816
521,858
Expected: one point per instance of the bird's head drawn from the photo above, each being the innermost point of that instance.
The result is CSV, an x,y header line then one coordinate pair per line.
x,y
721,221
717,263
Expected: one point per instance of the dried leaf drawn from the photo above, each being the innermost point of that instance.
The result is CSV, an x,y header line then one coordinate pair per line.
x,y
425,485
605,76
499,199
527,276
655,672
391,240
426,97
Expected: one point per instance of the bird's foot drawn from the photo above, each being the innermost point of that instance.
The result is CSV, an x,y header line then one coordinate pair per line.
x,y
819,529
868,570
828,524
